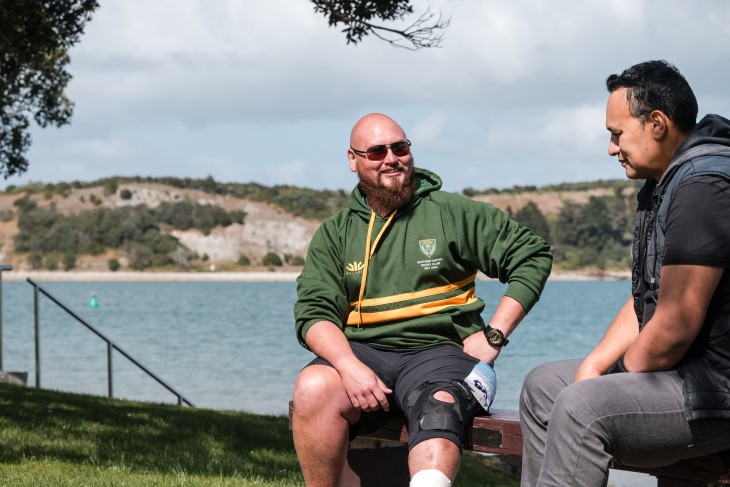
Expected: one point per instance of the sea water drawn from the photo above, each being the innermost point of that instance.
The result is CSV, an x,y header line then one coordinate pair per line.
x,y
231,345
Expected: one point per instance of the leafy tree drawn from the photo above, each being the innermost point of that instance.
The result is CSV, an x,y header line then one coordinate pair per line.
x,y
531,217
361,18
140,256
244,260
34,41
125,194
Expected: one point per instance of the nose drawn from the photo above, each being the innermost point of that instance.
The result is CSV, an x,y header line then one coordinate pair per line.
x,y
613,148
390,157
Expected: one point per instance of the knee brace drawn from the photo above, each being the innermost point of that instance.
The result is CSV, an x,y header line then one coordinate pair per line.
x,y
430,418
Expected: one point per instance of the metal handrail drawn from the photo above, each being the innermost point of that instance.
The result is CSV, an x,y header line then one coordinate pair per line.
x,y
111,346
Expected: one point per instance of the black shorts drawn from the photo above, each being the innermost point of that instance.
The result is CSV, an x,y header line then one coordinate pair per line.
x,y
403,371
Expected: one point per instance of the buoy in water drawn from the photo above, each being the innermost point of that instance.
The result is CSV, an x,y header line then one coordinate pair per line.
x,y
93,302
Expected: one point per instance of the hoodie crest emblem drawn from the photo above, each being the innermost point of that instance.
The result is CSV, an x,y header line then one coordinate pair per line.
x,y
427,246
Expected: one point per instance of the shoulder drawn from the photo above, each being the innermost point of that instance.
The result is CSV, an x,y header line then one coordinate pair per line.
x,y
457,202
335,223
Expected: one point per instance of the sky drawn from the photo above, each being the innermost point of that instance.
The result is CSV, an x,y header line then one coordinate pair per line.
x,y
267,92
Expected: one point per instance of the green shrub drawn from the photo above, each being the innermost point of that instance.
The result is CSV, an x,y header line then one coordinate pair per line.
x,y
244,260
35,261
110,187
113,265
272,259
51,262
69,261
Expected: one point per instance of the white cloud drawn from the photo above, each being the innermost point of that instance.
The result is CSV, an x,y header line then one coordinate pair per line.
x,y
267,91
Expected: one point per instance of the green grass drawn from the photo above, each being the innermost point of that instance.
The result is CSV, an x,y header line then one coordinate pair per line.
x,y
49,438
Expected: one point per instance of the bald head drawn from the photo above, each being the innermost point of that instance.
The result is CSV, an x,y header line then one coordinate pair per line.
x,y
374,129
385,172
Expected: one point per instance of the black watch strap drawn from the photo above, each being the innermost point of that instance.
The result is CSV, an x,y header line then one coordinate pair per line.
x,y
495,337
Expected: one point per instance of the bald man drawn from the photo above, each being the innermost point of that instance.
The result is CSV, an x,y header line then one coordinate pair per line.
x,y
386,300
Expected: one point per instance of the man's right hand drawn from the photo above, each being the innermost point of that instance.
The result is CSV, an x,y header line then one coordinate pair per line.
x,y
364,388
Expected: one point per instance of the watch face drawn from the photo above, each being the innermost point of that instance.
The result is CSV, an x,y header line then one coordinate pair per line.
x,y
494,337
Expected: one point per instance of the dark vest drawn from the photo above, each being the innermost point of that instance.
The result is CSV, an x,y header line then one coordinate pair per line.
x,y
705,372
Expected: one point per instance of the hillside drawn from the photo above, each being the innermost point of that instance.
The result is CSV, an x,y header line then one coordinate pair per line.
x,y
267,227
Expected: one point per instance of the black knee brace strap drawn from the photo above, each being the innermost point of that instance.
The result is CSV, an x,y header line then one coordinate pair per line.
x,y
431,418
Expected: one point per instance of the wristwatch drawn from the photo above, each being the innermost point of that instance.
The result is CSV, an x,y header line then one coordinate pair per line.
x,y
495,337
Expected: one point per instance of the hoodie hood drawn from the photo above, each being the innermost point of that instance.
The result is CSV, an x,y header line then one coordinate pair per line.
x,y
426,182
711,136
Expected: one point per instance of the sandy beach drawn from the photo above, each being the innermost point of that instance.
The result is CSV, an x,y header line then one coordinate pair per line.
x,y
253,276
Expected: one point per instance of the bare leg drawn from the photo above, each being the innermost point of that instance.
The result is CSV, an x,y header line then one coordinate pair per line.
x,y
321,420
436,453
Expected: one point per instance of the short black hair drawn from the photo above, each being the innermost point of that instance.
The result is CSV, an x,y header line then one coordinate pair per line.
x,y
657,85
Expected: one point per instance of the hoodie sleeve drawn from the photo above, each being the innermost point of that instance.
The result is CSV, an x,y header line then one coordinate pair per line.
x,y
502,249
320,289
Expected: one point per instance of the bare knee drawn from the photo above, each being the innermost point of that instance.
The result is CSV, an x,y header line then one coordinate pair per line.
x,y
444,396
319,389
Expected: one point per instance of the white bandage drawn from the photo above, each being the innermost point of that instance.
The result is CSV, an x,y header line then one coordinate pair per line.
x,y
430,478
483,383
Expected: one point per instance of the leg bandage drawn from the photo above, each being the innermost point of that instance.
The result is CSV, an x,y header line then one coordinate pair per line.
x,y
430,478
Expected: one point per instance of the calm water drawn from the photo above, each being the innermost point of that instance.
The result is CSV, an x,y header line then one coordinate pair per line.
x,y
231,345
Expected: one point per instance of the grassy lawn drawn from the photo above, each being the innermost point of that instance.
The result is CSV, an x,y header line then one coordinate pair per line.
x,y
49,438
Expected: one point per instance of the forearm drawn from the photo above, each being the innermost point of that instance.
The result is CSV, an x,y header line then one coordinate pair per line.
x,y
508,315
327,341
619,336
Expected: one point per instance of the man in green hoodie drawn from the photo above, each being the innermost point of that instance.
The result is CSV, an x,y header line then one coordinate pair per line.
x,y
386,300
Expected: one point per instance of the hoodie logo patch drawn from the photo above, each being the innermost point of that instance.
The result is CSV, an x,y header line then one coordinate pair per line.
x,y
427,246
354,267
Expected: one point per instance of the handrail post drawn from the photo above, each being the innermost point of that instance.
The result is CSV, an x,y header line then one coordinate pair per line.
x,y
110,345
109,350
37,340
2,268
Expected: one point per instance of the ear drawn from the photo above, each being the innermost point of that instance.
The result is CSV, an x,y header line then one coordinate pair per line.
x,y
353,160
659,124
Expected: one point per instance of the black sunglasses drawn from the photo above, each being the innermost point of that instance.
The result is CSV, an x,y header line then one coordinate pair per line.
x,y
380,152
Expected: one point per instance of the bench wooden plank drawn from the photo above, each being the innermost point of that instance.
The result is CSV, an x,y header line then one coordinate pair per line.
x,y
500,433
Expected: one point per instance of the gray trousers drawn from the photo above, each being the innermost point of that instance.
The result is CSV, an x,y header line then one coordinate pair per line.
x,y
572,430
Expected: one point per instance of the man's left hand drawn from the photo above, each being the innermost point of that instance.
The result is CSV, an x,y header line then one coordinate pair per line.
x,y
477,346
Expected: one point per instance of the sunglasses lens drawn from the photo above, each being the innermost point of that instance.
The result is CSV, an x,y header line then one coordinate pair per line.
x,y
377,152
401,149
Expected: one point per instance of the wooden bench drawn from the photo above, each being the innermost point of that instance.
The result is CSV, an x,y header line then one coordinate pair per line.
x,y
380,458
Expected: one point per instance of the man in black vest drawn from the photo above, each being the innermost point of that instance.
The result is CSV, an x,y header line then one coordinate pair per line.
x,y
656,388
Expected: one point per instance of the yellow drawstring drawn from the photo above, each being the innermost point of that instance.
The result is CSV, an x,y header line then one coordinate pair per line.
x,y
369,251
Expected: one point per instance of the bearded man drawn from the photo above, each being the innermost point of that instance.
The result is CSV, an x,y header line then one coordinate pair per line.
x,y
386,300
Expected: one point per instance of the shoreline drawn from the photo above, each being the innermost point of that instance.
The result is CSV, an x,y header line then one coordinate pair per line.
x,y
251,276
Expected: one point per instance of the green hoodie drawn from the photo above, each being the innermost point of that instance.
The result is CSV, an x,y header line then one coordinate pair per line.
x,y
420,279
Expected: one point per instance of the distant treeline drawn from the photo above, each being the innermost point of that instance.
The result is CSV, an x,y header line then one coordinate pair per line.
x,y
302,202
595,234
614,184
